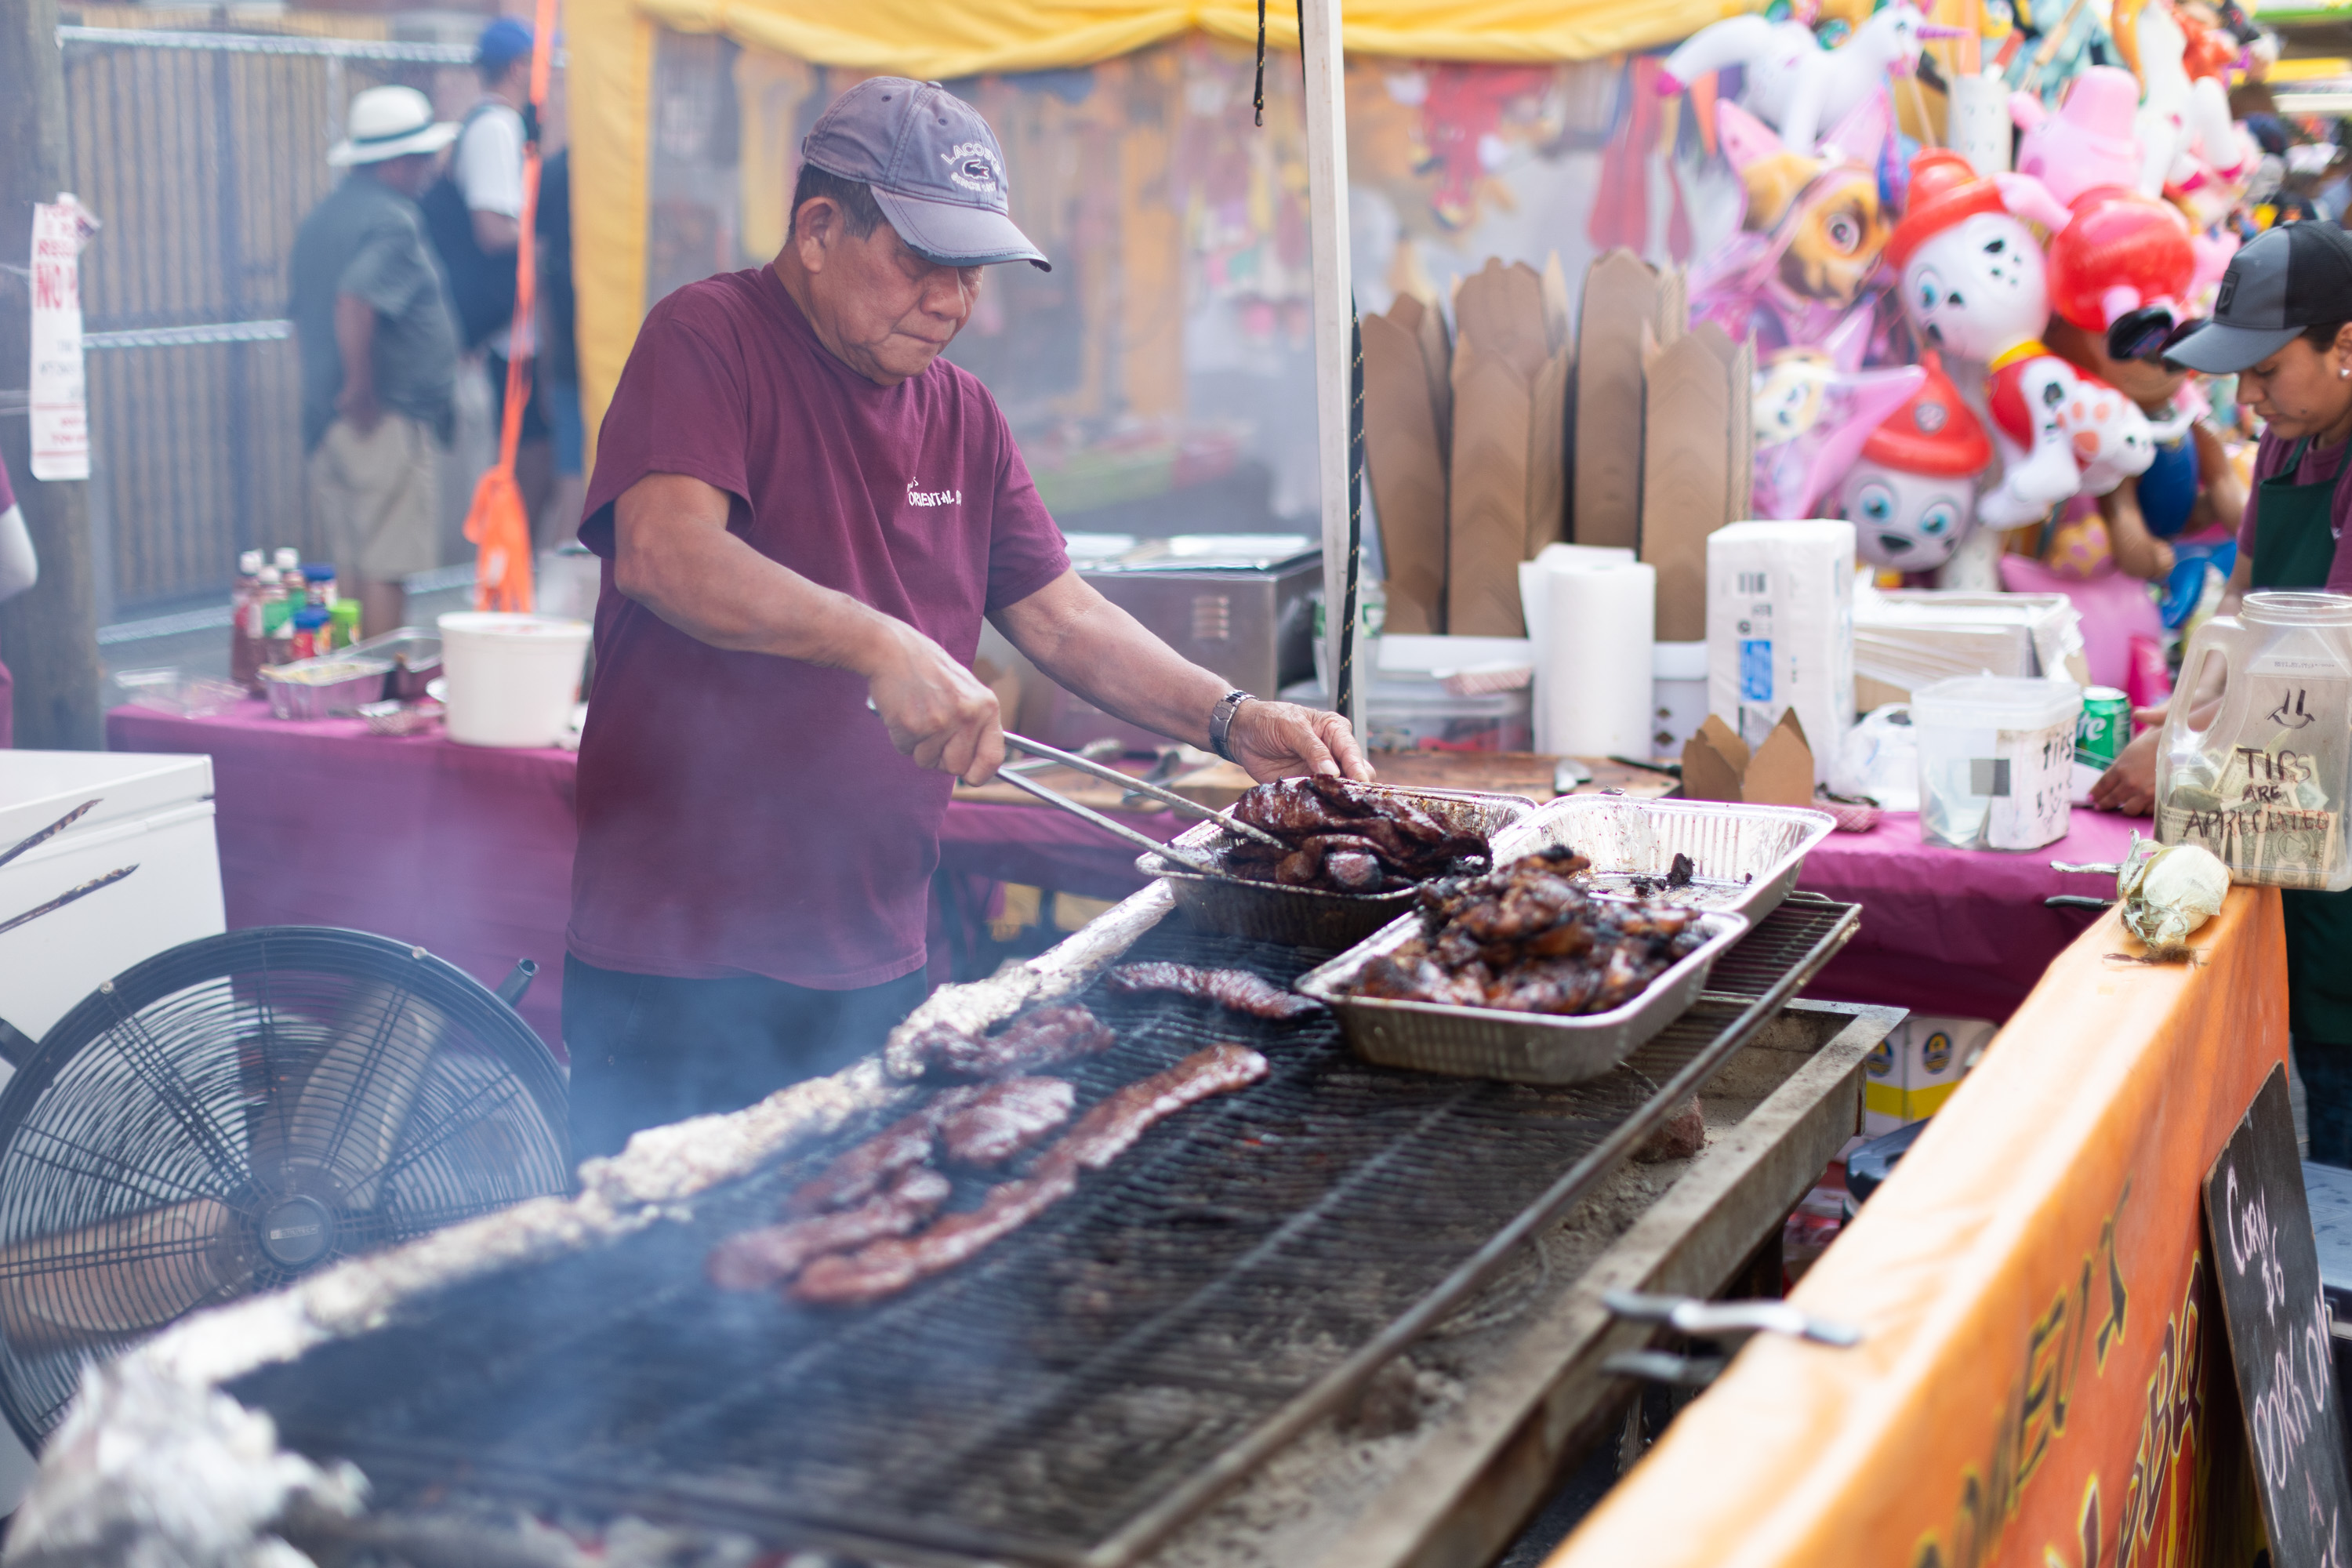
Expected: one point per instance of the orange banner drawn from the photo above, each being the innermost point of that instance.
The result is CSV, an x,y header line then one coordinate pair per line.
x,y
2042,1379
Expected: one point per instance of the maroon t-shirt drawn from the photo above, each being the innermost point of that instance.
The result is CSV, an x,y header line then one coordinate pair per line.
x,y
742,814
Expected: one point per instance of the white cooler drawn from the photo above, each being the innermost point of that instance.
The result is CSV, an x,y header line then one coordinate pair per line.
x,y
154,812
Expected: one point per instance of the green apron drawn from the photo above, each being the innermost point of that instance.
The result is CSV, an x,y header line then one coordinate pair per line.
x,y
2294,547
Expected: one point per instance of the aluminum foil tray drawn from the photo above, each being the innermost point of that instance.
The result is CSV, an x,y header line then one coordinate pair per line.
x,y
325,687
1745,858
1310,916
1486,1042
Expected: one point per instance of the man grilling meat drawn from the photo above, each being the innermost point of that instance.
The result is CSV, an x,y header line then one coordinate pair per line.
x,y
802,508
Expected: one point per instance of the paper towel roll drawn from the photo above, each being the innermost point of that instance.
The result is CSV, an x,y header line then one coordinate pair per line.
x,y
1592,616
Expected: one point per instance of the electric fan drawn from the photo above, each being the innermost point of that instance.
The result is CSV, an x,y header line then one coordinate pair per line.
x,y
238,1112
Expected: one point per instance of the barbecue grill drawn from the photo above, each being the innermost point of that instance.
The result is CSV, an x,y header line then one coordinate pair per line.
x,y
1079,1390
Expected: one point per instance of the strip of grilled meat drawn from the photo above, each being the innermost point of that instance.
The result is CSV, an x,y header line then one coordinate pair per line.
x,y
1524,937
1041,1038
757,1259
1237,989
1100,1136
993,1123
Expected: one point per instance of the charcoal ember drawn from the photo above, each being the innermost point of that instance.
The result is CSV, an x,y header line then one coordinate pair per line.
x,y
1679,874
1529,938
1684,1135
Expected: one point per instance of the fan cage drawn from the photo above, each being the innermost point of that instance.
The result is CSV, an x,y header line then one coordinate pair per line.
x,y
242,1111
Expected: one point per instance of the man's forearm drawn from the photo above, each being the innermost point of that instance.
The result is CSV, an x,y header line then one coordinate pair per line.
x,y
717,589
1096,649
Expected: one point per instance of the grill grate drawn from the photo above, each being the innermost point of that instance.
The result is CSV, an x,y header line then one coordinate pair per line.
x,y
1085,1384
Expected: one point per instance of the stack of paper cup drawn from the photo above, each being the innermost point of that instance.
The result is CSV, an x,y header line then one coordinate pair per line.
x,y
1592,616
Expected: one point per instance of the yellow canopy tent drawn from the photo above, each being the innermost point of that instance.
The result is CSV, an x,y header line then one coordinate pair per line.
x,y
610,44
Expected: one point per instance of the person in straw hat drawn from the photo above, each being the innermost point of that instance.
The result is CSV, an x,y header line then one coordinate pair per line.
x,y
379,351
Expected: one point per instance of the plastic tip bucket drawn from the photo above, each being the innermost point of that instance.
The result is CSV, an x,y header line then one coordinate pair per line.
x,y
512,678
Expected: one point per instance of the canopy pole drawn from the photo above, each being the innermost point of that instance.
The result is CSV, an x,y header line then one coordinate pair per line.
x,y
1327,223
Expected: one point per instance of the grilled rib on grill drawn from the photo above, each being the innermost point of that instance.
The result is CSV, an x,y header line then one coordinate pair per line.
x,y
1524,937
1344,838
756,1259
992,1123
1041,1039
1237,989
1100,1136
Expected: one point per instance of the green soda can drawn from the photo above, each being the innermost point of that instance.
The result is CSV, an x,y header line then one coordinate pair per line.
x,y
2104,728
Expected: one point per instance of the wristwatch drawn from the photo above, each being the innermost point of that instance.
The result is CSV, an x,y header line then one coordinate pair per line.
x,y
1221,721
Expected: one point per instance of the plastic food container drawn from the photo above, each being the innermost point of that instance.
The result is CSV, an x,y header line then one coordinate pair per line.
x,y
1486,1042
324,687
1744,859
1996,761
512,679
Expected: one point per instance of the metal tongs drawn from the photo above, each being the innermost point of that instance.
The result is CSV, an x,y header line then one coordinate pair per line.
x,y
1183,857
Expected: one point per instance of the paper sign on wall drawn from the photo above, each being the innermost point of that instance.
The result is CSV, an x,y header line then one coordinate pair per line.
x,y
59,405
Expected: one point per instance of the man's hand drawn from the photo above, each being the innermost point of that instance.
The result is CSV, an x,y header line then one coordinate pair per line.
x,y
1283,739
358,408
2129,783
938,712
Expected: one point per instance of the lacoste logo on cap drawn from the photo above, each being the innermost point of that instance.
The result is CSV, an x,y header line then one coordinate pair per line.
x,y
972,166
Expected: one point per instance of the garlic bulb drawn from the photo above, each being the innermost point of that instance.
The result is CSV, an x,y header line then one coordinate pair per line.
x,y
2168,891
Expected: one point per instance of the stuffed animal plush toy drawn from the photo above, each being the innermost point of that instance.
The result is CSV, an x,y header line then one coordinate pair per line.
x,y
1812,235
1792,82
1911,496
1974,286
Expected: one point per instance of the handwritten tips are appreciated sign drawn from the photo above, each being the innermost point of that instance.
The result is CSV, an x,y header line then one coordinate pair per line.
x,y
2269,1273
59,405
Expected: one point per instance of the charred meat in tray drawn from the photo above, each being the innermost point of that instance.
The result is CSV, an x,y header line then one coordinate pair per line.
x,y
1529,938
1346,838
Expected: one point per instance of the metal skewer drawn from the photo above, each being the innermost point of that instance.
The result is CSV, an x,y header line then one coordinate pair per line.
x,y
1184,857
1138,786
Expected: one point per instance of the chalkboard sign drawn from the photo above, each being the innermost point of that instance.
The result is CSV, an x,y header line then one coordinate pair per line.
x,y
2269,1271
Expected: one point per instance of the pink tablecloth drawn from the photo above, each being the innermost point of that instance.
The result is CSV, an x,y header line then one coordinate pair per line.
x,y
467,853
1960,932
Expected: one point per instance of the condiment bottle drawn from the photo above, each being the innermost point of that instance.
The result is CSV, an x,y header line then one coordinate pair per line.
x,y
289,561
311,632
245,620
345,619
281,629
319,579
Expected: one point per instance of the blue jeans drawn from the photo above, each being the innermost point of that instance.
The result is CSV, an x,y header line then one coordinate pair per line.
x,y
647,1049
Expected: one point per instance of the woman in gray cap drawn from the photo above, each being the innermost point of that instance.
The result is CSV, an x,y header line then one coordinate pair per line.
x,y
2283,326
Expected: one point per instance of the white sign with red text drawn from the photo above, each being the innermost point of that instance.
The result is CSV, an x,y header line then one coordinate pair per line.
x,y
59,405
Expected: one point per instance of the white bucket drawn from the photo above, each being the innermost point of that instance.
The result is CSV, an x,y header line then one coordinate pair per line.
x,y
512,678
1996,761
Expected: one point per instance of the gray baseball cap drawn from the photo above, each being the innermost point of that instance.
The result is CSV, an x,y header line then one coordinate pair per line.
x,y
2297,276
934,164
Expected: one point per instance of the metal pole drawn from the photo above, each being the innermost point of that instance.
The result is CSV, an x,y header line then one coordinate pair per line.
x,y
48,635
1326,222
